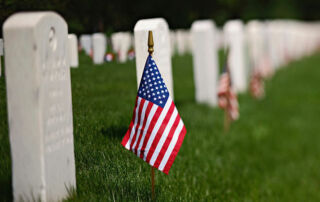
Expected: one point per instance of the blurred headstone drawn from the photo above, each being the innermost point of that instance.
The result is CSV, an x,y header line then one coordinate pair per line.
x,y
73,50
173,43
115,39
86,43
99,45
161,53
234,40
276,40
205,61
259,59
39,106
219,38
255,41
122,42
125,45
183,41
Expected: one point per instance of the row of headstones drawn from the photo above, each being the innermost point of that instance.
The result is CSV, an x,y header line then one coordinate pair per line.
x,y
38,88
256,45
96,45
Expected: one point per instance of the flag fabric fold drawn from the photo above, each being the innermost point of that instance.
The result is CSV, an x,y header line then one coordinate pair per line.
x,y
156,131
227,98
257,84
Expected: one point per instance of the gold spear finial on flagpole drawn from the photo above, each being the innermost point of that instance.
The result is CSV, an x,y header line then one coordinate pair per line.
x,y
150,42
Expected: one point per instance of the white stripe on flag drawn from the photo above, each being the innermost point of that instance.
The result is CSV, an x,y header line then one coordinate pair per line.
x,y
164,136
151,114
171,145
134,125
157,126
140,124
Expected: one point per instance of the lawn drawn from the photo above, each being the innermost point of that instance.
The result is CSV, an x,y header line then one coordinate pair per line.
x,y
270,154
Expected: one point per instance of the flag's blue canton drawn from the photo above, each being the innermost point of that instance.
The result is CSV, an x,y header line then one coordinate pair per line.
x,y
152,87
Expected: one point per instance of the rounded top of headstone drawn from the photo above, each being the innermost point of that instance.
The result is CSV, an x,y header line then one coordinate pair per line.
x,y
98,35
202,25
73,36
150,24
233,25
254,26
30,19
255,23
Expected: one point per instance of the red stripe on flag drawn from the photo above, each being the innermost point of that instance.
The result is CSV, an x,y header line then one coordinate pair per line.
x,y
175,151
127,135
138,123
150,129
150,104
167,142
160,132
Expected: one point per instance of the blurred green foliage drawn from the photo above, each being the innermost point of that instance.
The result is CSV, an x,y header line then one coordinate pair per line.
x,y
121,15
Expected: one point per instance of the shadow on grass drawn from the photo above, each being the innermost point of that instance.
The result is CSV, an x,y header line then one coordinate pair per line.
x,y
5,189
114,131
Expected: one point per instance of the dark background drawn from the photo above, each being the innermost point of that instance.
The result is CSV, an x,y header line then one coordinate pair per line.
x,y
84,16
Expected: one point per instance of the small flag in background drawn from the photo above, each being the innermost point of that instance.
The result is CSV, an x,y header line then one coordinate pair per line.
x,y
257,84
91,53
227,98
156,131
265,68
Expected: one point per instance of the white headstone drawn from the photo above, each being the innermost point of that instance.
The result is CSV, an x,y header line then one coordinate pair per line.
x,y
173,43
255,38
86,43
115,39
277,45
183,41
99,45
205,61
73,50
39,106
272,49
161,54
219,38
125,46
122,42
234,39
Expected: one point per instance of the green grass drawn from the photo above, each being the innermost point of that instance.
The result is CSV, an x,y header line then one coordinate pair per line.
x,y
270,154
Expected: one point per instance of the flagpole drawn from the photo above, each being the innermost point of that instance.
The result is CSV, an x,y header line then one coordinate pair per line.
x,y
150,50
226,121
152,183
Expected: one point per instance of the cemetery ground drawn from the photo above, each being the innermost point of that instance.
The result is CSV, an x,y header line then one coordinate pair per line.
x,y
270,154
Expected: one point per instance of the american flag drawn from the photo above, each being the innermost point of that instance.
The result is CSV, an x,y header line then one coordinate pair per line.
x,y
91,53
257,84
156,131
265,68
227,98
